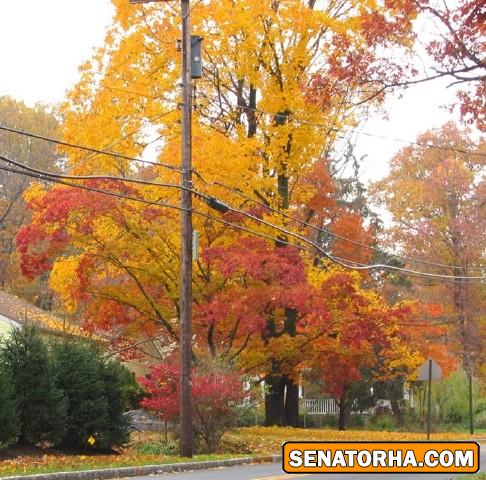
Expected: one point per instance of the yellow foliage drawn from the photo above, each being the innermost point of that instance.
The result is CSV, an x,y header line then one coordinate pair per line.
x,y
63,272
269,440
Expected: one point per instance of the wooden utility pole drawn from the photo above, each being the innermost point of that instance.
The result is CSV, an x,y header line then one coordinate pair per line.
x,y
185,297
185,301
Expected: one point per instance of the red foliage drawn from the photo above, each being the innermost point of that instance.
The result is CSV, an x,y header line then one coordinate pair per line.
x,y
353,63
212,389
460,53
36,248
56,209
216,394
162,387
261,280
259,260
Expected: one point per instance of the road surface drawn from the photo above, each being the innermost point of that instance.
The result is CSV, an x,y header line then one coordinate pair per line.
x,y
274,472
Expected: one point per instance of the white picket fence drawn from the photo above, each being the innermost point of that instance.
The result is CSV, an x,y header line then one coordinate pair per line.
x,y
323,406
320,406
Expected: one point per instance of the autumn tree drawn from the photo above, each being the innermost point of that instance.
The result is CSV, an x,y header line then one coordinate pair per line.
x,y
459,53
266,319
281,80
434,196
13,211
346,334
452,35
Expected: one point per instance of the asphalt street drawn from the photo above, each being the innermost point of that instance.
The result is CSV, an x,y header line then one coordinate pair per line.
x,y
274,472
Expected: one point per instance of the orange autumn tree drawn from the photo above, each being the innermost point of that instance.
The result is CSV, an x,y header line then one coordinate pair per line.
x,y
281,80
434,196
372,343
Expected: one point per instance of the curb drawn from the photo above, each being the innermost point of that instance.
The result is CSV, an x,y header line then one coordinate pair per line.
x,y
125,472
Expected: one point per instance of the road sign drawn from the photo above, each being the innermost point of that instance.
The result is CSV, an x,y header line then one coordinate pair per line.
x,y
429,371
424,371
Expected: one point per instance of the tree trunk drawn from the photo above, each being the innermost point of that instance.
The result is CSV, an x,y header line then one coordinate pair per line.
x,y
342,412
274,400
282,402
292,404
396,410
292,393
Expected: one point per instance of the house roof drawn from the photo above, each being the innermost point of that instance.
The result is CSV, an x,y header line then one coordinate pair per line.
x,y
16,311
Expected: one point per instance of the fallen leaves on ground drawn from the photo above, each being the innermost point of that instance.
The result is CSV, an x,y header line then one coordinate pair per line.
x,y
240,442
268,440
29,464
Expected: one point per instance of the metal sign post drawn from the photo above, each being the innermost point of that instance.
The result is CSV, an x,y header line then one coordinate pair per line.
x,y
429,371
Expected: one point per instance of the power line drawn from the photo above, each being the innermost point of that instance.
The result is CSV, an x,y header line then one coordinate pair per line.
x,y
293,119
152,203
332,234
223,207
59,178
85,148
351,264
173,167
98,177
346,263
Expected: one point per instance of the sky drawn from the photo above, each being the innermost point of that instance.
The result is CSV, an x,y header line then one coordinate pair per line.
x,y
44,42
419,109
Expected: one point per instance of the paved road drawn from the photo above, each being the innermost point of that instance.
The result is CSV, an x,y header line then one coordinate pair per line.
x,y
274,472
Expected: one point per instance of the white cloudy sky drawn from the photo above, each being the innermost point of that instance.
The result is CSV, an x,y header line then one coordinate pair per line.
x,y
44,41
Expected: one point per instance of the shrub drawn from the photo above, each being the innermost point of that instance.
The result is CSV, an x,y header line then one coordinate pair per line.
x,y
330,421
382,422
41,405
171,448
117,381
94,391
357,421
452,397
162,387
79,375
480,406
250,416
9,415
480,419
133,393
216,394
